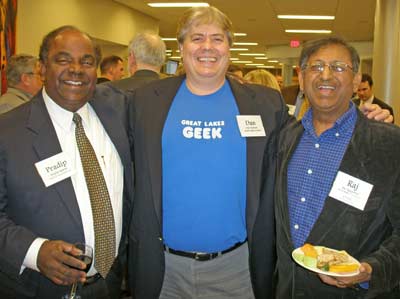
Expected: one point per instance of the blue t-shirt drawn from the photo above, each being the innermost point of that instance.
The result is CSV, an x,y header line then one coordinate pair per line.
x,y
204,172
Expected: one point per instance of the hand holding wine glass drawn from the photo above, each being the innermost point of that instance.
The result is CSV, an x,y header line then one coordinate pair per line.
x,y
86,256
56,260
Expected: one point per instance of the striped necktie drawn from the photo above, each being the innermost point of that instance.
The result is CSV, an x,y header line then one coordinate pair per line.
x,y
103,217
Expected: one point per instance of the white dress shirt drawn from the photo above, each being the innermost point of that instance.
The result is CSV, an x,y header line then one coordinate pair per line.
x,y
110,164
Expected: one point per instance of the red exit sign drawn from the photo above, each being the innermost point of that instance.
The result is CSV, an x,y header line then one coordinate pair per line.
x,y
294,43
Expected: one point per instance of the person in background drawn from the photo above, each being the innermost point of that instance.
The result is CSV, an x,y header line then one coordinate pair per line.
x,y
146,57
366,94
23,80
203,223
235,70
338,183
111,69
262,77
50,198
279,79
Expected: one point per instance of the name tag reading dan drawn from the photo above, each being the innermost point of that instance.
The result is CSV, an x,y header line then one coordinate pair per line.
x,y
351,190
55,169
250,125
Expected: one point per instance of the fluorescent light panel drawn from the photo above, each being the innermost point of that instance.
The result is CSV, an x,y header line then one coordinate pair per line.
x,y
261,58
238,49
175,57
240,34
266,66
254,64
169,39
242,61
251,54
178,4
245,44
234,58
308,31
305,17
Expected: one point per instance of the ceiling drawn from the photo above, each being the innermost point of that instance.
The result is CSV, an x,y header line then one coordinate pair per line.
x,y
354,20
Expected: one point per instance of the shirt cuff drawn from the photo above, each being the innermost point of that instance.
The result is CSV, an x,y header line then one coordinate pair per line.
x,y
30,260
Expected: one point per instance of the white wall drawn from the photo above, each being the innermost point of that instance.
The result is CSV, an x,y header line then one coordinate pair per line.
x,y
103,19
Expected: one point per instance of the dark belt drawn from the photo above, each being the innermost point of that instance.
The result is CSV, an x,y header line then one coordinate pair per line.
x,y
92,279
202,256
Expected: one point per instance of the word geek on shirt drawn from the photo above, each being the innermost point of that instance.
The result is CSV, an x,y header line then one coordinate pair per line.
x,y
198,129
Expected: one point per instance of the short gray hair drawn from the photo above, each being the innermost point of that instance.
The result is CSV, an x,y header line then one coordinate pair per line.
x,y
311,47
148,48
18,65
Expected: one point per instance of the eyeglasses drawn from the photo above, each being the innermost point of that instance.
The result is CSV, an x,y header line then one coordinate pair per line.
x,y
336,67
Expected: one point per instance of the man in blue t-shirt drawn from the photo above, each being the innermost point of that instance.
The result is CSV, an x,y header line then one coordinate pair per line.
x,y
204,150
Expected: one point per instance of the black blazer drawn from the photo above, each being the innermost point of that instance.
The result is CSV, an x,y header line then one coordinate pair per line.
x,y
138,79
148,112
372,235
28,209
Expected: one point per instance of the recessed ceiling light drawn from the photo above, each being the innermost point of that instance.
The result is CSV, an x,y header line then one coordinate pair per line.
x,y
308,31
305,17
245,44
240,34
252,54
238,49
175,57
261,58
169,39
178,4
255,64
273,61
234,58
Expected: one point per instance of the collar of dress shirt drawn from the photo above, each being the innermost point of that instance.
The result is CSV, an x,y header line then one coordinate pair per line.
x,y
63,117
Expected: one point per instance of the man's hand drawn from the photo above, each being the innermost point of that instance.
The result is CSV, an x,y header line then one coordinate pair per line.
x,y
346,282
373,111
55,259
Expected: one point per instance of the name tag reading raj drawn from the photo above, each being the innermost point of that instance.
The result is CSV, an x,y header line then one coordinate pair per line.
x,y
250,125
351,190
55,169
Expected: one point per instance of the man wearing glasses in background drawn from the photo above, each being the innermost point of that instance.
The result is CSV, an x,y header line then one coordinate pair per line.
x,y
338,183
23,79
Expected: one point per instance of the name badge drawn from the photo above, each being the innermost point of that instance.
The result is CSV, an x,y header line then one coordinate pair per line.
x,y
351,190
55,169
250,125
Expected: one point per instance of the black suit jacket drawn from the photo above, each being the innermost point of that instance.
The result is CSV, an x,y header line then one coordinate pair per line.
x,y
138,79
372,235
28,209
378,102
148,112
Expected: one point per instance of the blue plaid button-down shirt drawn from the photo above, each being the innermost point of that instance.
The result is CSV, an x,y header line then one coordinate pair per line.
x,y
312,170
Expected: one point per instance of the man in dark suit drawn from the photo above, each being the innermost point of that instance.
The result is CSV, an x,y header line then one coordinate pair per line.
x,y
204,162
327,165
46,204
366,94
146,57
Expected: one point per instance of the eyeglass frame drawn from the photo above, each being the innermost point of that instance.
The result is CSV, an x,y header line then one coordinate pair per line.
x,y
331,67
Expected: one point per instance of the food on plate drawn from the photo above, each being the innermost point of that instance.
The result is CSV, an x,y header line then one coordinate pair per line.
x,y
327,259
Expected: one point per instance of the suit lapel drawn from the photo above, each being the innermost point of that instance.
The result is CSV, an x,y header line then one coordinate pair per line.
x,y
164,95
46,145
245,100
334,210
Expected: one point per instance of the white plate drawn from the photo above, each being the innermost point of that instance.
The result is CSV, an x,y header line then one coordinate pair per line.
x,y
298,251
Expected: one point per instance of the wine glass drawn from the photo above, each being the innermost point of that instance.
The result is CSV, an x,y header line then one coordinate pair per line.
x,y
86,256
